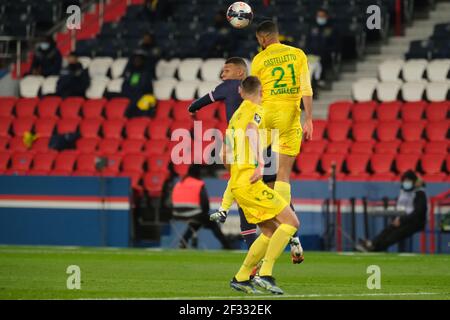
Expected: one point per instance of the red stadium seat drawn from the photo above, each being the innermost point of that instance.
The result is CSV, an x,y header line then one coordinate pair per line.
x,y
387,130
222,112
180,110
328,159
113,128
388,111
339,110
437,131
363,131
16,144
181,169
70,107
5,123
405,162
116,107
208,112
341,147
112,165
439,147
41,144
357,166
26,107
381,164
154,183
319,129
48,106
64,163
362,147
412,147
158,130
42,163
87,145
437,111
388,147
136,128
163,109
85,165
21,125
90,128
92,109
3,143
109,146
133,162
306,164
20,162
363,111
45,127
4,161
413,111
156,147
412,131
314,146
338,130
7,106
432,163
135,179
447,163
132,146
181,124
67,126
158,163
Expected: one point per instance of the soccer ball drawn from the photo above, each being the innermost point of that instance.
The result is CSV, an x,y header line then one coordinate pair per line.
x,y
239,15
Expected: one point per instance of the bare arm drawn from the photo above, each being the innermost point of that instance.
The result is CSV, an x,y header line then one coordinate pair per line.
x,y
308,125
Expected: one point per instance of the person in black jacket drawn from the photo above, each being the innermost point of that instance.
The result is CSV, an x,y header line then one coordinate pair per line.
x,y
73,80
413,201
47,59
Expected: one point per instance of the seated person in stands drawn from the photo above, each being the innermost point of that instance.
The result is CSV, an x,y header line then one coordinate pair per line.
x,y
73,80
47,59
153,51
322,42
412,201
137,82
218,38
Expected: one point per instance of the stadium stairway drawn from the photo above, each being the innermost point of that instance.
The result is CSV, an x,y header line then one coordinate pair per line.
x,y
396,47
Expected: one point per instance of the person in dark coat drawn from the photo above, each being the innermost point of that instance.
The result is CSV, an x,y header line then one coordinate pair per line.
x,y
47,59
74,79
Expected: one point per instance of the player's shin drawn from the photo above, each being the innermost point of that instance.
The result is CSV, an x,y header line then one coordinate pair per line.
x,y
254,255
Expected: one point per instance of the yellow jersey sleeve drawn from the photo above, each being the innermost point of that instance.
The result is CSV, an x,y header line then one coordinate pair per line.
x,y
304,77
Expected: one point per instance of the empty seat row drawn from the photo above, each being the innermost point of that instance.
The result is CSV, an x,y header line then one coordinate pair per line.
x,y
437,70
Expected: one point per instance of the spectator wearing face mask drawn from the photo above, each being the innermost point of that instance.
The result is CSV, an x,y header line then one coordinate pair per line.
x,y
73,80
47,59
412,201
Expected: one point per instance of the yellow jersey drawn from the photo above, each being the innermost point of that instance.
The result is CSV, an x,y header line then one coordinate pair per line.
x,y
283,72
243,161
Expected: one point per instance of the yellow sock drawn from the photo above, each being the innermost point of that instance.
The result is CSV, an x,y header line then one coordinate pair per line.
x,y
278,242
254,255
227,199
284,189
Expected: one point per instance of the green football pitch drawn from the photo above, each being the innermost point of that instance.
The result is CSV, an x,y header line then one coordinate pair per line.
x,y
40,273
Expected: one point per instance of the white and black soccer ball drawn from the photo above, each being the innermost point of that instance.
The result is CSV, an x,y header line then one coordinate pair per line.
x,y
239,15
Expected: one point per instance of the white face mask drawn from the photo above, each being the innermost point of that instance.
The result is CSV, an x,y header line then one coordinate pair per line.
x,y
44,45
407,185
321,21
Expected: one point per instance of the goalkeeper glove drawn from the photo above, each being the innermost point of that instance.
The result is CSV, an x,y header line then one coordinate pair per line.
x,y
219,216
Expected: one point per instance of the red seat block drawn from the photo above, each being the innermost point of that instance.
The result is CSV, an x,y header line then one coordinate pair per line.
x,y
67,126
109,146
156,147
43,163
90,128
390,147
154,183
387,130
132,146
16,144
70,107
413,111
340,147
158,163
181,124
64,163
6,106
405,162
432,163
381,163
339,110
412,131
163,109
363,111
363,131
92,109
48,106
414,147
112,165
388,111
85,165
180,110
440,147
319,129
437,131
357,166
338,130
87,145
133,162
45,127
363,147
3,143
208,112
21,125
26,107
116,107
314,146
5,124
437,111
158,130
21,162
41,144
328,159
4,161
136,128
306,164
113,128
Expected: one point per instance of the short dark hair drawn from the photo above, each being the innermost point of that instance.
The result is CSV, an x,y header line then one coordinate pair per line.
x,y
250,84
267,26
237,61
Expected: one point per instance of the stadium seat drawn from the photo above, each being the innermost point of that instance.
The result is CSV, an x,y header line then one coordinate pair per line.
x,y
41,144
116,107
70,107
381,164
21,125
42,163
222,113
136,128
319,129
163,88
92,109
414,69
387,130
362,147
363,111
133,162
412,130
87,145
207,113
205,87
405,162
357,166
158,163
188,69
389,70
166,69
432,167
112,165
437,111
7,105
413,91
327,159
413,111
30,85
364,89
306,164
437,70
45,127
64,163
186,90
388,91
97,87
85,165
387,147
3,143
85,61
180,111
439,147
114,86
4,161
20,162
341,147
154,183
437,91
49,85
388,111
156,147
5,123
447,164
412,147
340,110
113,128
314,146
211,69
363,131
16,144
26,107
67,126
181,124
437,131
118,67
158,129
163,109
109,146
132,146
90,128
338,130
48,106
99,66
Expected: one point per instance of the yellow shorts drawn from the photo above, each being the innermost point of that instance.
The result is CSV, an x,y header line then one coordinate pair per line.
x,y
285,117
259,202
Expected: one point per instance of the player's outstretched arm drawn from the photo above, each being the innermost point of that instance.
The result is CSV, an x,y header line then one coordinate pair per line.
x,y
199,103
